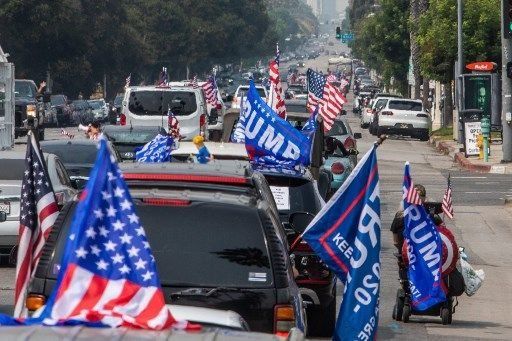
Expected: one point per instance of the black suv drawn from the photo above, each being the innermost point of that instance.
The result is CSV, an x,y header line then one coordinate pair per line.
x,y
296,192
29,109
217,241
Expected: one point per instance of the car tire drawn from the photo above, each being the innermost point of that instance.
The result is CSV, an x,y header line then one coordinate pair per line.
x,y
322,320
40,134
423,136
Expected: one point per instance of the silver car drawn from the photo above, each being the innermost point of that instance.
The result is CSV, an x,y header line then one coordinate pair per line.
x,y
12,168
404,117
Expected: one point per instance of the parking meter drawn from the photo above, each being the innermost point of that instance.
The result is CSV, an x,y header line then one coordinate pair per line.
x,y
486,132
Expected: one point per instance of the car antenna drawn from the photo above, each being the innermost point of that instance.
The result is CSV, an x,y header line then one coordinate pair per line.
x,y
131,126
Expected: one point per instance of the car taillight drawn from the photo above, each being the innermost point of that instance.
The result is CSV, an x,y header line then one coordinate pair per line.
x,y
349,143
34,302
166,202
122,119
387,113
60,198
284,319
421,115
232,180
202,120
337,168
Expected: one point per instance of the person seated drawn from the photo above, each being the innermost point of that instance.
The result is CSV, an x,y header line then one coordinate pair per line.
x,y
331,145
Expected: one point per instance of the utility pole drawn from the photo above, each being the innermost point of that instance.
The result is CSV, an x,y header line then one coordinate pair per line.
x,y
506,82
460,71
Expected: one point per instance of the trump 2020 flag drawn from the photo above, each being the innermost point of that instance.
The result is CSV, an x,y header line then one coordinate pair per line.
x,y
346,235
424,250
108,275
269,137
156,150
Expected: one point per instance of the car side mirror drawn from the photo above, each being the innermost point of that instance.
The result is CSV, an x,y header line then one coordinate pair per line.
x,y
300,220
47,97
358,135
3,216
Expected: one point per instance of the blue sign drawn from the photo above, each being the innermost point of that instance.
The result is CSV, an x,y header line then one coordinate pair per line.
x,y
424,250
347,36
269,138
156,150
346,235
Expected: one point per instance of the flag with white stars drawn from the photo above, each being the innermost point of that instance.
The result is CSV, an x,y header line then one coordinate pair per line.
x,y
269,139
108,274
324,95
38,211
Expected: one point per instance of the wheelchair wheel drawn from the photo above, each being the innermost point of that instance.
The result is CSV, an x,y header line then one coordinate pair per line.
x,y
406,313
399,305
446,316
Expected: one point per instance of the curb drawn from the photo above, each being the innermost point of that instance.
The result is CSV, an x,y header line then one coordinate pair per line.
x,y
459,157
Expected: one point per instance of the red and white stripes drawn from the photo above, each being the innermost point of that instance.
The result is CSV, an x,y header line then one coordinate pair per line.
x,y
276,98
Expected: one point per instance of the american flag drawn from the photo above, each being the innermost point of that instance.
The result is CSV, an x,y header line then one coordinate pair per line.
x,y
173,126
413,196
128,80
331,78
38,211
447,200
327,97
276,98
211,92
163,79
65,133
108,273
193,83
278,54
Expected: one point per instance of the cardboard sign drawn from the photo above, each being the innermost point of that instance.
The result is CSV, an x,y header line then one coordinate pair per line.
x,y
472,130
281,196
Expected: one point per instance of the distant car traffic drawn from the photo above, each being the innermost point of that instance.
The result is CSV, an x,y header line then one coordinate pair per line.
x,y
82,112
99,109
241,91
126,139
115,109
61,110
12,172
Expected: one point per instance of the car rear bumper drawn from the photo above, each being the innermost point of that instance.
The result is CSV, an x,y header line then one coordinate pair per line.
x,y
402,130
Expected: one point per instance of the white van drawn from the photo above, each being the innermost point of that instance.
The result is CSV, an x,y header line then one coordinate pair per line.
x,y
148,106
242,90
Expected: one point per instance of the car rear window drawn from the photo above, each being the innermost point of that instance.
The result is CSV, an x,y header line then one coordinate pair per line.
x,y
261,92
381,103
68,154
202,245
134,136
405,105
338,128
12,169
156,103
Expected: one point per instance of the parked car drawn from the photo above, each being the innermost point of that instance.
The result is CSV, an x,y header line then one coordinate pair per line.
x,y
242,91
99,109
12,172
216,238
127,139
376,106
61,110
296,191
404,117
77,156
148,106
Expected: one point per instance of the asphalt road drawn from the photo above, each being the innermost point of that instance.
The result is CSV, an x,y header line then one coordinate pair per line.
x,y
482,225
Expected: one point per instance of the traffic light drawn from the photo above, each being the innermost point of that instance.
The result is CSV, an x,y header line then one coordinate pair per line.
x,y
338,30
507,19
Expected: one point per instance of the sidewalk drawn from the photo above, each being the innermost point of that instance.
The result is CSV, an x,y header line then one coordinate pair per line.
x,y
473,164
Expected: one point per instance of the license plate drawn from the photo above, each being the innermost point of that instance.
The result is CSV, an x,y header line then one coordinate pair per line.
x,y
5,207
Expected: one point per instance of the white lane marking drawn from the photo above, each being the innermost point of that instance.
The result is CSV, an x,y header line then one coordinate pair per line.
x,y
487,192
469,177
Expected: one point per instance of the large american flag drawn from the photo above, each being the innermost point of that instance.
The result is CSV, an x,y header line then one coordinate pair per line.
x,y
276,98
413,195
38,211
326,96
447,205
211,92
108,273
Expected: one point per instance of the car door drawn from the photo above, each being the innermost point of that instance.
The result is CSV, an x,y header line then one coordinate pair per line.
x,y
64,182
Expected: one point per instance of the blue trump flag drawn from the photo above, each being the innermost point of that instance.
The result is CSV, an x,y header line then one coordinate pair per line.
x,y
269,138
311,125
156,150
424,250
346,235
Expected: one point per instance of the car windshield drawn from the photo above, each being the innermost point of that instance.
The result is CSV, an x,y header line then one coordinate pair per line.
x,y
338,128
57,100
405,105
24,89
203,245
80,104
157,102
72,153
134,136
118,100
12,169
244,90
96,105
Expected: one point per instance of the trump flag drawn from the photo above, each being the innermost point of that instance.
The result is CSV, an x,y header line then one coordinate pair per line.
x,y
346,235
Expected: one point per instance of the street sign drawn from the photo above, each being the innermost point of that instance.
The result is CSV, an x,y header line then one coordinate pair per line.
x,y
481,66
347,36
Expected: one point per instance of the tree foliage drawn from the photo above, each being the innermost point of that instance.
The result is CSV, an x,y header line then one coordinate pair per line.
x,y
382,41
80,41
